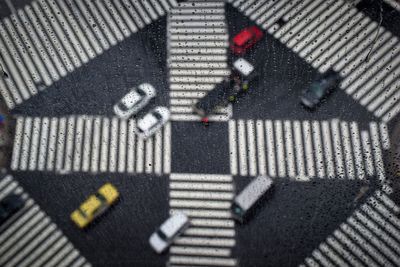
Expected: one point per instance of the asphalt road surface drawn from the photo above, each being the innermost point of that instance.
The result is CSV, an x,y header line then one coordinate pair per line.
x,y
335,195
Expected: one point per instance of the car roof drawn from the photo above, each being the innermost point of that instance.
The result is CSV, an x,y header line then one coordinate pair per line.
x,y
173,224
131,98
242,37
148,121
243,66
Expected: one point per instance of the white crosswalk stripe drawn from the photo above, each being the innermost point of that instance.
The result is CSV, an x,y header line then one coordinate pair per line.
x,y
334,34
30,238
369,237
197,44
205,198
394,3
45,40
303,150
88,144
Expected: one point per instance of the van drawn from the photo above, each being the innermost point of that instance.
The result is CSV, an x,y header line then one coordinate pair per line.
x,y
252,193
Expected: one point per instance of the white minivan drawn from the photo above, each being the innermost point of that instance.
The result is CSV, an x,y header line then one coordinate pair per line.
x,y
175,225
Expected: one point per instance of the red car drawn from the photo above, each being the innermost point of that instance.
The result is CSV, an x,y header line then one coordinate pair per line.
x,y
246,39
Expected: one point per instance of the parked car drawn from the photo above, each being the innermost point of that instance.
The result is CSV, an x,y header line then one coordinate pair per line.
x,y
134,101
236,83
245,40
250,195
162,238
95,205
152,121
10,205
320,89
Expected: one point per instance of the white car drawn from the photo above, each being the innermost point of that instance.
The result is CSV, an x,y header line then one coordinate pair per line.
x,y
168,231
134,101
152,121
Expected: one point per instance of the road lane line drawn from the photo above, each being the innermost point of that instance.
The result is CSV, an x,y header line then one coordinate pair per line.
x,y
33,157
25,144
87,143
18,139
78,143
308,149
104,145
122,146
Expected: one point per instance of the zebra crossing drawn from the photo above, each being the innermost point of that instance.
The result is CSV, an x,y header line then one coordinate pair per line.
x,y
393,3
45,40
197,56
303,150
90,144
30,238
369,237
206,199
334,34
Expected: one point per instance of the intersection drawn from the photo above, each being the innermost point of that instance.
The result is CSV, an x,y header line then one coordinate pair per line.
x,y
70,61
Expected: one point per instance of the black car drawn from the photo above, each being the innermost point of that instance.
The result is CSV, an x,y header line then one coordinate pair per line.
x,y
217,97
227,90
9,206
320,88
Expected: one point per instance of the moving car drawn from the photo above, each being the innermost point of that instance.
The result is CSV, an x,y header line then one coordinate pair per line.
x,y
134,101
175,225
152,121
250,195
95,205
237,82
320,89
10,205
246,39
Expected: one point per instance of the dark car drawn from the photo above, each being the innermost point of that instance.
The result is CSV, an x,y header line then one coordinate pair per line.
x,y
237,82
320,89
9,206
219,96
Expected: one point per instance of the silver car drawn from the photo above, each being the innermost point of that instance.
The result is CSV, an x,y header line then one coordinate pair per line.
x,y
134,101
152,122
168,231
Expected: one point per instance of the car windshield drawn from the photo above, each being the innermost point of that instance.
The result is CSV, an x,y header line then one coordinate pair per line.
x,y
141,92
161,234
317,89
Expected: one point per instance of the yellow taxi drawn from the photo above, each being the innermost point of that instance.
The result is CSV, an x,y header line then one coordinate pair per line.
x,y
95,205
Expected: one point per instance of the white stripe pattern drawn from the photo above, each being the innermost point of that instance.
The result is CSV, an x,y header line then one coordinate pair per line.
x,y
30,238
303,150
334,34
197,56
394,3
88,144
369,237
45,40
205,198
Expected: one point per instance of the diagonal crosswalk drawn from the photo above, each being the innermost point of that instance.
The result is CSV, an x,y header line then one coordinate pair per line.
x,y
30,238
45,40
304,150
206,199
369,237
334,34
393,3
88,144
197,56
